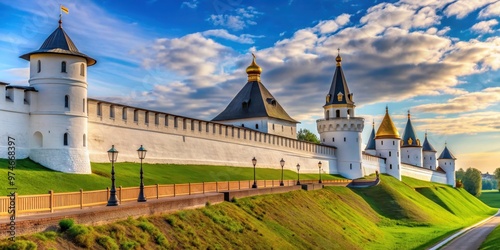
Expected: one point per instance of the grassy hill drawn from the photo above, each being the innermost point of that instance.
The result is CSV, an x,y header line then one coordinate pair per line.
x,y
393,215
32,178
490,198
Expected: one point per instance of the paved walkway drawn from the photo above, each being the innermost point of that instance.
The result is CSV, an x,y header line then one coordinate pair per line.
x,y
472,237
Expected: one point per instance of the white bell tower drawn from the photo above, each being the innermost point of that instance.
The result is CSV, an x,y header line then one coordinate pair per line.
x,y
58,72
340,128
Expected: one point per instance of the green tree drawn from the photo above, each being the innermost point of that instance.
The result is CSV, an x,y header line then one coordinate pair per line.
x,y
459,175
472,181
306,135
497,176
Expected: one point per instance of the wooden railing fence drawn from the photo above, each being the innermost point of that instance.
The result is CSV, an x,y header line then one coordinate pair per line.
x,y
57,201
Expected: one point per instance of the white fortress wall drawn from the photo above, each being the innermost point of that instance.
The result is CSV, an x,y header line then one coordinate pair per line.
x,y
175,139
14,122
423,174
372,164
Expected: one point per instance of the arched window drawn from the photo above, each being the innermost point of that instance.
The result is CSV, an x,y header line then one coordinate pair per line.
x,y
381,142
65,140
84,105
63,67
327,114
333,139
390,154
390,166
337,113
39,66
66,101
256,126
345,139
82,69
84,140
393,143
350,166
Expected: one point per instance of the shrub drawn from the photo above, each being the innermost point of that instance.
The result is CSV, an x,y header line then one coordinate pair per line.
x,y
82,235
207,204
107,242
459,184
155,232
66,224
129,245
21,245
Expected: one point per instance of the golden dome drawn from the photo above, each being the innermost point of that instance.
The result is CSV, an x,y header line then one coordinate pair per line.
x,y
387,129
338,58
254,71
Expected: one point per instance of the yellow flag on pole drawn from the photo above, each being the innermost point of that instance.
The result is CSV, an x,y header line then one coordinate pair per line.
x,y
64,9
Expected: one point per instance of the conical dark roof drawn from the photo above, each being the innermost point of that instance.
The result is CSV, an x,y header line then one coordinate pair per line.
x,y
371,140
253,100
339,85
427,146
446,154
409,138
59,43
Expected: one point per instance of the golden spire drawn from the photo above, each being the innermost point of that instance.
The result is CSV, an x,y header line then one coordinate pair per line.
x,y
254,71
338,59
387,128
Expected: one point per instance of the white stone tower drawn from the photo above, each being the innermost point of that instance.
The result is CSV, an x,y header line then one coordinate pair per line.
x,y
341,128
411,150
429,153
447,162
58,72
387,142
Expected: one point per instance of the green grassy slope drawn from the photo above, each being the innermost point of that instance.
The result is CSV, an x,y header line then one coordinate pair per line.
x,y
492,242
31,178
392,215
491,198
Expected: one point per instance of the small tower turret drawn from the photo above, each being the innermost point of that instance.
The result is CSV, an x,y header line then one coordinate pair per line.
x,y
447,162
388,145
370,146
429,154
341,128
411,150
58,71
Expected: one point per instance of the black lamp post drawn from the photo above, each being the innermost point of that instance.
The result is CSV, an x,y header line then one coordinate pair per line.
x,y
282,163
112,155
298,174
142,154
254,162
319,167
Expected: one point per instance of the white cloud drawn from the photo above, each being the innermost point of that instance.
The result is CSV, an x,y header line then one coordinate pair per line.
x,y
330,26
462,8
464,103
491,10
190,4
484,26
244,38
468,123
242,18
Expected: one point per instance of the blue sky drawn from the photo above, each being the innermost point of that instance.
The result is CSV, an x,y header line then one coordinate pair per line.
x,y
438,59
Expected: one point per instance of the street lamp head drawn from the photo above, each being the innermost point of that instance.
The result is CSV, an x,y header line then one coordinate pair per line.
x,y
298,167
319,164
282,162
254,161
142,152
112,154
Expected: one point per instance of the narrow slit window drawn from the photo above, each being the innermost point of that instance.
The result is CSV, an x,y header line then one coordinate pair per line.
x,y
63,67
82,69
66,101
65,140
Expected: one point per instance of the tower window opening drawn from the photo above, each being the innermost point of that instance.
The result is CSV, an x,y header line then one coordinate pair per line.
x,y
146,118
84,140
136,115
83,108
157,119
345,139
82,69
327,116
381,142
112,111
349,112
99,109
124,113
393,143
390,166
333,139
63,67
256,126
350,166
337,113
39,66
390,154
65,140
166,122
273,126
408,157
66,101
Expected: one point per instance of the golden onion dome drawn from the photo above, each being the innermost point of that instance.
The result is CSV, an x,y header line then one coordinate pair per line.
x,y
387,129
254,71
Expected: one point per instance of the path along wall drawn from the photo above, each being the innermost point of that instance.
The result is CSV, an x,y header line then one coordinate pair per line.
x,y
181,140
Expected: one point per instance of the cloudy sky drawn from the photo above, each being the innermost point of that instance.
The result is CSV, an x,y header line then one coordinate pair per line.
x,y
438,59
